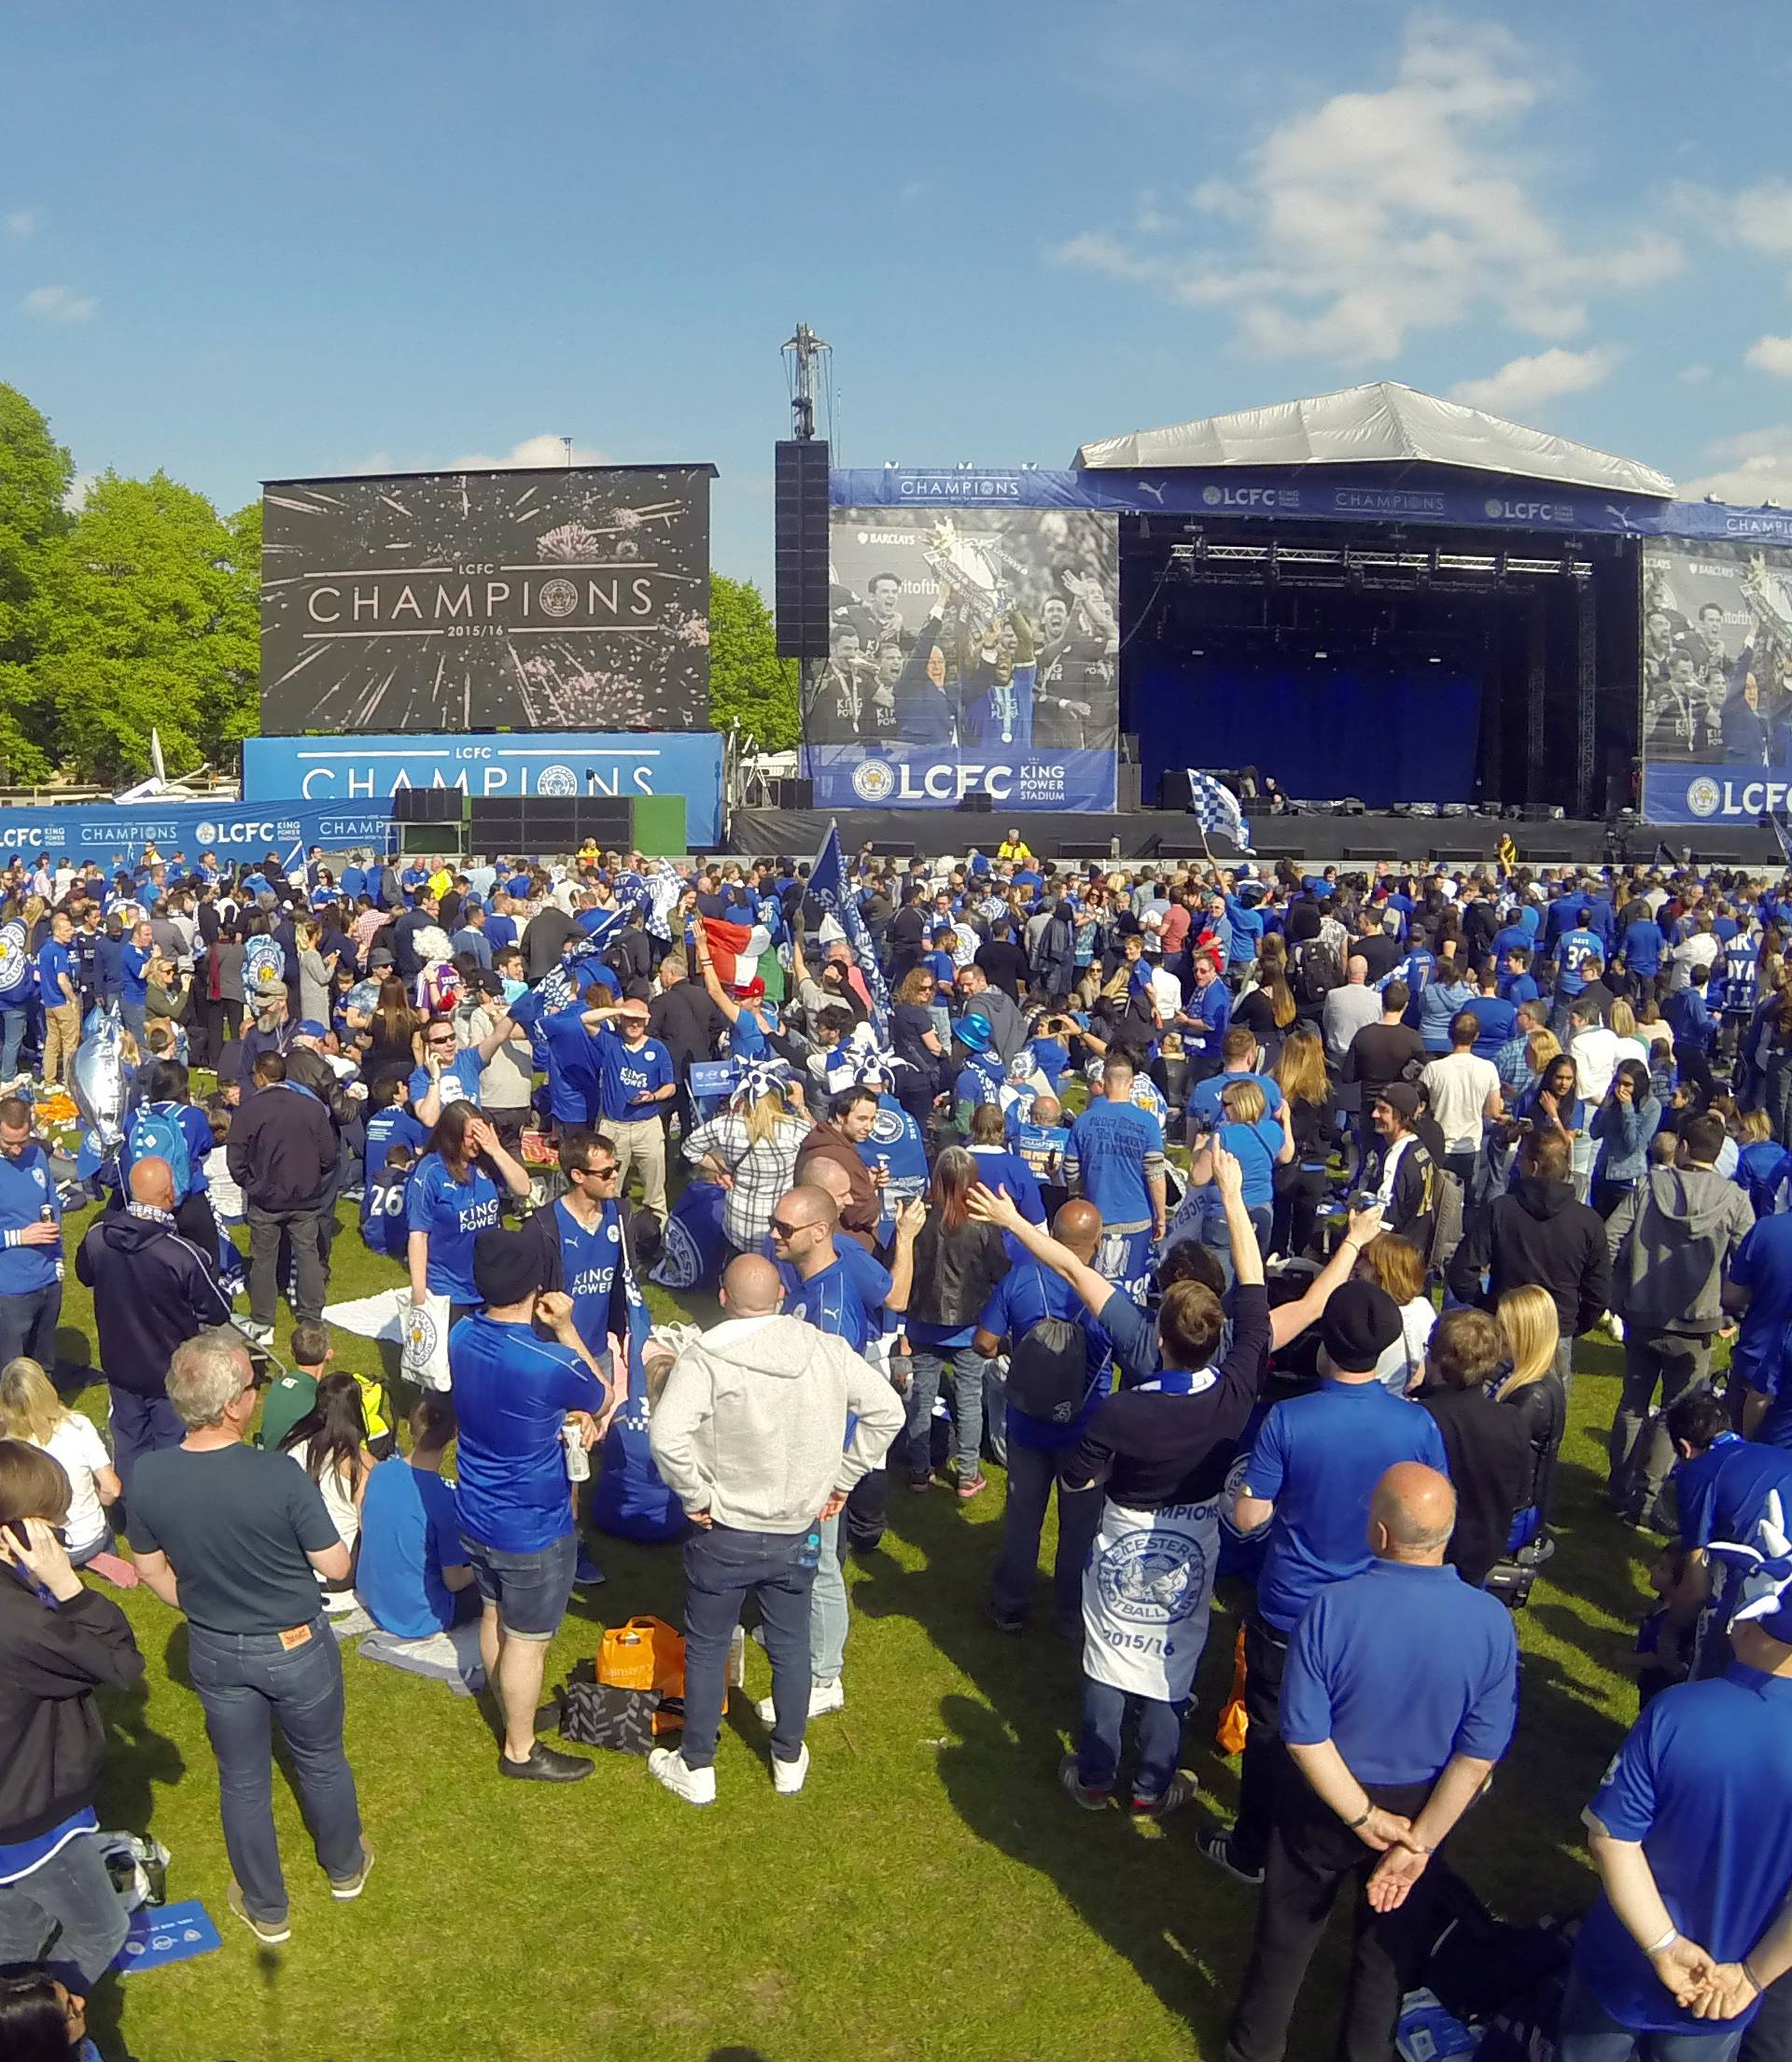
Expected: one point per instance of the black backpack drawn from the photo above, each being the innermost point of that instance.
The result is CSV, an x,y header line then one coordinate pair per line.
x,y
1048,1370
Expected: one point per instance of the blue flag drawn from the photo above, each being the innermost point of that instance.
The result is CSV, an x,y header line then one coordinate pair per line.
x,y
829,885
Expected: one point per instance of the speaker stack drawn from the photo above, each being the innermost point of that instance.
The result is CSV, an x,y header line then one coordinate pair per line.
x,y
551,823
800,587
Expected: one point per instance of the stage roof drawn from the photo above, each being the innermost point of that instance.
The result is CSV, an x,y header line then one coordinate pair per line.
x,y
1381,424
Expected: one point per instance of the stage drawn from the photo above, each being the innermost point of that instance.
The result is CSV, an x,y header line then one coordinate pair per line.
x,y
1160,835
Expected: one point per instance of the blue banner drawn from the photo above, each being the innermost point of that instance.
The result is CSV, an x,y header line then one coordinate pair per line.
x,y
546,763
115,834
1314,492
924,776
832,895
1733,795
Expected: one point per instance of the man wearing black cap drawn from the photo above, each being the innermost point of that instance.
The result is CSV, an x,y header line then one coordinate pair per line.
x,y
518,1399
1310,1479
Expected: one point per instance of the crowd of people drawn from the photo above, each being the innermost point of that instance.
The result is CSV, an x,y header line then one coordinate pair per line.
x,y
1250,1214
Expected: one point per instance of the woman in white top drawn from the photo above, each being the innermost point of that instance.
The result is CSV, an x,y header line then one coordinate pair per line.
x,y
31,1409
1632,1041
329,1443
1397,1265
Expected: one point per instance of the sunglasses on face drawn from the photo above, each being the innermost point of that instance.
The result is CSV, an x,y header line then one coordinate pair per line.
x,y
597,1173
787,1231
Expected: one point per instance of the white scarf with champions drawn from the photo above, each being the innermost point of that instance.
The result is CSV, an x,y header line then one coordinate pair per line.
x,y
1147,1592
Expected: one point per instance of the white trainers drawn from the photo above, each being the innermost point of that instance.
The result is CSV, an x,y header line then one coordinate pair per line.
x,y
824,1697
788,1777
695,1786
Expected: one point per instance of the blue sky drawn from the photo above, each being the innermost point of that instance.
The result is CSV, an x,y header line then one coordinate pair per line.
x,y
288,239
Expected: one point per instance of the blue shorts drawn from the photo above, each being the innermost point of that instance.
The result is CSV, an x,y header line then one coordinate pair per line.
x,y
530,1591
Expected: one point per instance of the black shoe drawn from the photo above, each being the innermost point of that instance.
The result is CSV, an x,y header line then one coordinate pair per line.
x,y
544,1765
1217,1847
1006,1622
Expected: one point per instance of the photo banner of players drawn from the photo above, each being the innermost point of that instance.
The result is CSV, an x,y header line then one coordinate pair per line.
x,y
1716,687
570,599
971,651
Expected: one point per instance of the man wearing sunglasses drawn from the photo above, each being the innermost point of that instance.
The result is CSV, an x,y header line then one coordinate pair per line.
x,y
637,1079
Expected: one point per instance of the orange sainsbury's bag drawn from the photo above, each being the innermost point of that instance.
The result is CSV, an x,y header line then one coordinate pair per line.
x,y
647,1653
1230,1731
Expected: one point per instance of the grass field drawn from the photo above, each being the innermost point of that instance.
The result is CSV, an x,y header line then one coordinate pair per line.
x,y
931,1893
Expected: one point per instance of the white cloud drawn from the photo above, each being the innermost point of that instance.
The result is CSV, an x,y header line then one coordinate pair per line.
x,y
60,305
20,221
1751,468
533,451
1694,375
1761,216
1379,214
1771,354
1528,382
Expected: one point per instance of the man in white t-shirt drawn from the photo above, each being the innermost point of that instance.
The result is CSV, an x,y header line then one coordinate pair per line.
x,y
1595,1050
1462,1091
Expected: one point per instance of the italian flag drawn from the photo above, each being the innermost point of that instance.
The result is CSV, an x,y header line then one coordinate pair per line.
x,y
735,950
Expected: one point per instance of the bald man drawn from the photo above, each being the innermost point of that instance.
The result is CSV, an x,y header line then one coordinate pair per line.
x,y
152,1291
1399,1696
761,1430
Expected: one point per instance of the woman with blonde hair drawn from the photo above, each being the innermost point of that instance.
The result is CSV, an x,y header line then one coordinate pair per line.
x,y
1533,1343
315,971
1397,1265
31,1410
1302,1181
749,1151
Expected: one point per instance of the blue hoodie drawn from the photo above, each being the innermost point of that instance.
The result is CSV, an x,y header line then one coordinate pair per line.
x,y
26,1185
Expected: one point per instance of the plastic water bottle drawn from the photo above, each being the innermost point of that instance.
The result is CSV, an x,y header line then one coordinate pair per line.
x,y
808,1555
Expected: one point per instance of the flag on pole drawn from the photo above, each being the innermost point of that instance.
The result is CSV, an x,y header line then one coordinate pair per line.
x,y
832,895
735,950
1216,808
1663,858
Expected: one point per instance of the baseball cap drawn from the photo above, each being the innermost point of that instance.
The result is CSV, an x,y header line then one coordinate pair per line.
x,y
308,1027
507,1265
1403,1097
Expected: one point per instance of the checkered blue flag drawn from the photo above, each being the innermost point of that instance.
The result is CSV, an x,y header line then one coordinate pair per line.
x,y
1216,808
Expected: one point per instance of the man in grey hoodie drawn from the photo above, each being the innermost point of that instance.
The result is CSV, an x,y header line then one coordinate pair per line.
x,y
1672,1239
751,1434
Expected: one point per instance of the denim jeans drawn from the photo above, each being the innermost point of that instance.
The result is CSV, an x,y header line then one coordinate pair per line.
x,y
967,1371
70,1897
140,1425
722,1568
13,1019
1158,1728
1590,2034
28,1325
828,1608
1032,1470
246,1681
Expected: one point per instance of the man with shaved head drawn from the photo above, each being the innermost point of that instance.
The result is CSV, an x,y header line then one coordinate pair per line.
x,y
1399,1696
762,1428
834,1284
1041,1316
151,1291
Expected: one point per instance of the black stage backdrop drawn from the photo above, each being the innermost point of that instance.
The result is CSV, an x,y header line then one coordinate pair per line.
x,y
563,600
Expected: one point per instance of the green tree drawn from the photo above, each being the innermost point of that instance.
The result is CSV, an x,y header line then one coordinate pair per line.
x,y
35,476
748,684
146,625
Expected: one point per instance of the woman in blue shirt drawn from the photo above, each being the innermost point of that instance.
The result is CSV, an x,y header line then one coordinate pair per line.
x,y
450,1202
1623,1124
1258,1144
1439,999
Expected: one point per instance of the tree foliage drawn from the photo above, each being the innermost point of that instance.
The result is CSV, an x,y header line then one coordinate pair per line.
x,y
35,473
748,684
148,621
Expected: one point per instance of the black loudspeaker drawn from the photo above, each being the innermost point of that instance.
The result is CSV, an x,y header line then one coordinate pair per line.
x,y
1457,855
1083,851
977,804
799,509
1178,790
887,848
429,806
792,793
551,823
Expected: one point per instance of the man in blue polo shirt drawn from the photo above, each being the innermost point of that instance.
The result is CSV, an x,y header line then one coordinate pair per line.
x,y
1237,1062
1400,1695
139,950
1206,1018
636,1080
1309,1478
1040,1447
517,1398
1115,1158
1722,1489
1691,1832
1573,948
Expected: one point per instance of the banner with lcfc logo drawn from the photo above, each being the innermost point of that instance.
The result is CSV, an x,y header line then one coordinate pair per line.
x,y
115,834
919,777
1737,797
